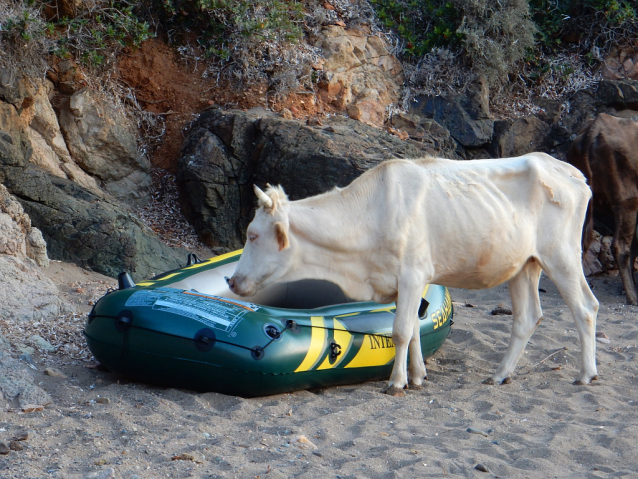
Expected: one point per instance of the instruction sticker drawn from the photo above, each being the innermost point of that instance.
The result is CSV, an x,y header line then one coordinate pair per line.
x,y
214,311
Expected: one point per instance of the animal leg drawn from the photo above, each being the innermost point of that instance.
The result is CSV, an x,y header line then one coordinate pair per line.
x,y
402,334
565,270
416,369
526,309
625,218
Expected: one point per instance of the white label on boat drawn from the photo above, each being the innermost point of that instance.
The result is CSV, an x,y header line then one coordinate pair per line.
x,y
215,311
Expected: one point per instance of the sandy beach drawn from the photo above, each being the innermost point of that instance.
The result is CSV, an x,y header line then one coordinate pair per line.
x,y
100,425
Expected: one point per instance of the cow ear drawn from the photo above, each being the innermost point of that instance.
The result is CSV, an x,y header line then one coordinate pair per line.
x,y
282,236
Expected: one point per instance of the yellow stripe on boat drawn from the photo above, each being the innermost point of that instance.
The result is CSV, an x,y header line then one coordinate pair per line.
x,y
344,339
317,344
376,350
215,259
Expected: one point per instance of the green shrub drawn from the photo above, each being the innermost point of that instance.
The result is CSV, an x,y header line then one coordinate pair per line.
x,y
585,23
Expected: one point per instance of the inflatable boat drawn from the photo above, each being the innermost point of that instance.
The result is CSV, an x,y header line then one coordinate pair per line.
x,y
186,329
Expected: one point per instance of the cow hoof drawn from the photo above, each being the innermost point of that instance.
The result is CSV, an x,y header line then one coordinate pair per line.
x,y
394,391
580,382
414,386
489,381
506,381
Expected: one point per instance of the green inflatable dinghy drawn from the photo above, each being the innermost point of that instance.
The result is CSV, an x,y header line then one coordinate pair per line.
x,y
186,329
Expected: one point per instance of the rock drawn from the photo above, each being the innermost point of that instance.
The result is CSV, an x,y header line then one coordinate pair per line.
x,y
226,152
425,130
518,137
54,373
4,448
16,446
19,238
41,343
83,228
591,263
108,473
500,310
26,294
360,74
17,382
33,397
303,442
14,89
473,430
49,148
15,147
466,121
101,141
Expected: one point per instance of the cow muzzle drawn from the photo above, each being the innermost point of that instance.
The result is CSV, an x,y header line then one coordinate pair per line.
x,y
237,286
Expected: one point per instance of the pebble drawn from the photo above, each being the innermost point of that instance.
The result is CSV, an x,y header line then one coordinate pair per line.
x,y
21,436
29,360
42,344
102,400
4,449
472,430
481,467
54,373
16,446
500,309
303,442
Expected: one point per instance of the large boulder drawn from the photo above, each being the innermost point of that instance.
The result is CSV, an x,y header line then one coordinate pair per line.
x,y
83,228
465,116
25,292
101,141
520,136
226,152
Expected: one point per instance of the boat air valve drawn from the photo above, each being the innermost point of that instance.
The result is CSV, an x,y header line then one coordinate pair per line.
x,y
124,280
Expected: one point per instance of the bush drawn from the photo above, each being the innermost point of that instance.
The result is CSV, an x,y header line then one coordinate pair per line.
x,y
585,24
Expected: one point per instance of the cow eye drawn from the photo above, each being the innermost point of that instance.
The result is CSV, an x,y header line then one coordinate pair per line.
x,y
252,238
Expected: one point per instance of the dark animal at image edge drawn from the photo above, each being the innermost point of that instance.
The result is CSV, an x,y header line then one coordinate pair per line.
x,y
606,151
461,224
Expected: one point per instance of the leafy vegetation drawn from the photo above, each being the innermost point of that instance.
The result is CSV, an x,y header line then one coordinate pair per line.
x,y
503,42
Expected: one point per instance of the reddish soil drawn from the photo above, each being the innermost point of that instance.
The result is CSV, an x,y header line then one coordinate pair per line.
x,y
166,85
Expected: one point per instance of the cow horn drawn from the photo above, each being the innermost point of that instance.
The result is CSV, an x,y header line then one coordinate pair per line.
x,y
263,197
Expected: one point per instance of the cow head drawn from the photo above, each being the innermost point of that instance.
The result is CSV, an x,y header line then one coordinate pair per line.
x,y
267,254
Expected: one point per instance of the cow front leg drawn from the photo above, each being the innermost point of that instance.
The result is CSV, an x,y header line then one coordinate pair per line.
x,y
403,329
416,369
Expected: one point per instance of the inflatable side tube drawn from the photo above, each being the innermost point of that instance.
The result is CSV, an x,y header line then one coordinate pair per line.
x,y
203,338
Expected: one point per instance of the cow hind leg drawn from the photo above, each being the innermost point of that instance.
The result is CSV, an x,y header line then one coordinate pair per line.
x,y
526,309
565,270
625,218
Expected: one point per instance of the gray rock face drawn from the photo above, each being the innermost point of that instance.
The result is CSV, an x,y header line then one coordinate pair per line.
x,y
227,152
83,228
465,117
102,143
520,136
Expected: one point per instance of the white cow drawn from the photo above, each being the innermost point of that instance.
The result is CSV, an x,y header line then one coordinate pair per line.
x,y
462,224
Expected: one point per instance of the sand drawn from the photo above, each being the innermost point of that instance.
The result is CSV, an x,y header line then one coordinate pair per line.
x,y
100,425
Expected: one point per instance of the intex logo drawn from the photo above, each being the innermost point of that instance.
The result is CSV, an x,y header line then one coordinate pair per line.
x,y
380,342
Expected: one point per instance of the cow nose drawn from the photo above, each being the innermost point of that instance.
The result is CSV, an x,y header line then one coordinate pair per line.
x,y
230,282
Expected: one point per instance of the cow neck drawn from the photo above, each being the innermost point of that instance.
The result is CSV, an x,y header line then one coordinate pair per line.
x,y
320,226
